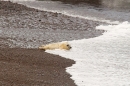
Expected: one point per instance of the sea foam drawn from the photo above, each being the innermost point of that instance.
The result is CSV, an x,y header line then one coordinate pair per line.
x,y
103,60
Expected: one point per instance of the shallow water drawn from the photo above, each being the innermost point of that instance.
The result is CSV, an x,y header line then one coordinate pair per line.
x,y
111,11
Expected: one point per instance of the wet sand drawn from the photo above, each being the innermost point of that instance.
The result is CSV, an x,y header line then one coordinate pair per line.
x,y
30,67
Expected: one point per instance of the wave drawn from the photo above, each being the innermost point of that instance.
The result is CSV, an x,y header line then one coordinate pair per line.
x,y
103,60
85,11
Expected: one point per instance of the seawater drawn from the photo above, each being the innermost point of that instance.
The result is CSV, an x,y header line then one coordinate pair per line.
x,y
101,14
100,61
103,60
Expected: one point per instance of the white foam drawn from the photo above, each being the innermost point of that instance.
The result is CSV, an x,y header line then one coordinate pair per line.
x,y
101,61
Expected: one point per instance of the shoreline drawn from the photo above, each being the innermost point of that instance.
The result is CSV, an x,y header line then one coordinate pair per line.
x,y
29,67
21,27
43,27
